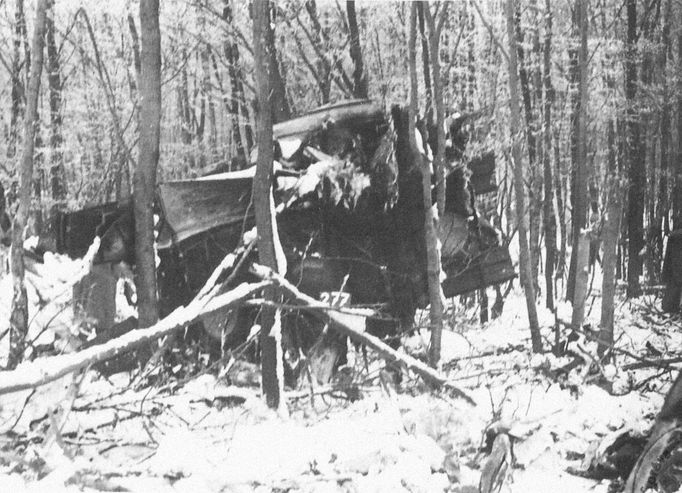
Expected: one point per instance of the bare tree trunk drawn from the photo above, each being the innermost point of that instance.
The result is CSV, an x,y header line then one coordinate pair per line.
x,y
123,189
359,75
435,28
648,123
524,254
677,162
380,63
582,277
57,174
145,172
612,224
135,39
187,129
579,186
548,205
535,201
279,104
561,210
428,111
198,117
203,85
430,220
210,105
663,210
573,94
531,140
636,171
270,336
237,108
27,49
19,316
35,223
17,96
652,230
483,299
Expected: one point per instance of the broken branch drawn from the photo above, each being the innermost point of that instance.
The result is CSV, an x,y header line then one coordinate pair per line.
x,y
348,323
46,370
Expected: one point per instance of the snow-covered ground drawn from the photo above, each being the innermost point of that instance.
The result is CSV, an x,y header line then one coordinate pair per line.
x,y
87,433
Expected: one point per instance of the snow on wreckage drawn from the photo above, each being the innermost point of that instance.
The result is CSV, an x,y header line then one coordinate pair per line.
x,y
350,219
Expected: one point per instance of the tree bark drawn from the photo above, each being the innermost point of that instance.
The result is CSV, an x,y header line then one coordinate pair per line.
x,y
579,199
145,172
19,315
663,209
531,141
212,140
548,200
648,123
515,120
270,336
433,267
435,28
17,95
54,79
561,209
359,75
483,300
677,163
573,95
279,105
187,127
241,135
135,39
582,275
636,171
428,110
35,223
536,181
206,143
611,232
123,189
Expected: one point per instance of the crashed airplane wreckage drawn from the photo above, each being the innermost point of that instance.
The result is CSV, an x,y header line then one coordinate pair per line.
x,y
350,218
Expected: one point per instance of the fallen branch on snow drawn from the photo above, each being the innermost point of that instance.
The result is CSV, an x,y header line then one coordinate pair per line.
x,y
207,291
46,370
664,364
348,323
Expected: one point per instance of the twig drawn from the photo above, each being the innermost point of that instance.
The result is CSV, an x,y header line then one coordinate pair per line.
x,y
641,361
485,354
648,363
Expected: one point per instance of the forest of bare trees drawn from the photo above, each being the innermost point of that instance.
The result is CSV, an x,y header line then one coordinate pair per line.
x,y
598,89
575,106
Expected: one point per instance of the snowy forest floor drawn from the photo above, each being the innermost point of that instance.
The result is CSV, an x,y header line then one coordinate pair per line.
x,y
88,433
